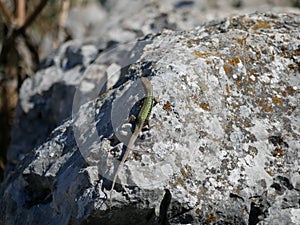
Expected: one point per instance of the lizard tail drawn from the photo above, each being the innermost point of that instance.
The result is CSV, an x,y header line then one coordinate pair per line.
x,y
129,147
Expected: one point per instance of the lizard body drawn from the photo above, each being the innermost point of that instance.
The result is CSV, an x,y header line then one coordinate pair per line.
x,y
141,118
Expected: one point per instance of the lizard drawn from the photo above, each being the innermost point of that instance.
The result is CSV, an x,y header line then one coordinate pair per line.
x,y
139,123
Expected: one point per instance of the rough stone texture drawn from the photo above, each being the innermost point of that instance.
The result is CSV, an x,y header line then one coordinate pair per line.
x,y
46,99
223,137
126,20
123,20
106,25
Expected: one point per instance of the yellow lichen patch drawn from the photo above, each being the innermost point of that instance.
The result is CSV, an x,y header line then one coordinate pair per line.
x,y
251,91
167,106
193,42
212,217
205,106
189,168
286,53
245,81
198,211
187,107
234,61
269,172
261,24
244,210
253,151
184,79
278,152
242,41
267,109
238,85
181,182
252,78
202,192
264,105
293,66
192,193
203,86
227,89
226,69
203,55
135,156
248,123
195,98
198,54
277,101
290,90
182,171
186,172
228,128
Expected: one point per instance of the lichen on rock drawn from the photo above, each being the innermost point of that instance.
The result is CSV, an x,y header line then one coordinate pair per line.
x,y
223,137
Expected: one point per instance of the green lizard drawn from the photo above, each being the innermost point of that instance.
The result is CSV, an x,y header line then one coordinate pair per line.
x,y
141,118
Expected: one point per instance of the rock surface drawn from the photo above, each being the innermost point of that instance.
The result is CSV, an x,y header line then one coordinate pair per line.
x,y
223,137
106,24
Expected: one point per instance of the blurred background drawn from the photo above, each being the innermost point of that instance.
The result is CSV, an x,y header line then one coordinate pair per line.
x,y
31,31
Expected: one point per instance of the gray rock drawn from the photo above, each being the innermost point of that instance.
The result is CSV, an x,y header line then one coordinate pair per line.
x,y
223,138
127,20
35,115
46,99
